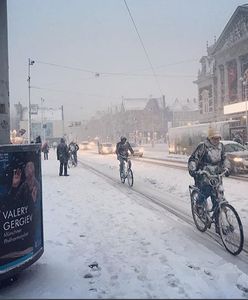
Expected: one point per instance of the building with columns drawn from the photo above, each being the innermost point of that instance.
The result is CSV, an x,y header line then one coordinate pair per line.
x,y
221,81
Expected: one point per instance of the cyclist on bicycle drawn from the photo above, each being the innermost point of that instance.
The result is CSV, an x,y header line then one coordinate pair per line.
x,y
210,156
73,148
122,149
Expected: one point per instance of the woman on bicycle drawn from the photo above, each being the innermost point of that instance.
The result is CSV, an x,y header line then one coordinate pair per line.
x,y
208,155
122,149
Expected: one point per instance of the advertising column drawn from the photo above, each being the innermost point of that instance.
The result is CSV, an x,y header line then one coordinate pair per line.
x,y
21,223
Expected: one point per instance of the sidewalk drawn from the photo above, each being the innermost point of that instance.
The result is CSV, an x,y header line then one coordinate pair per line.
x,y
103,243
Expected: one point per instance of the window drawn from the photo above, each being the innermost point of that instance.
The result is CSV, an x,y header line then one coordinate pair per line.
x,y
234,147
2,109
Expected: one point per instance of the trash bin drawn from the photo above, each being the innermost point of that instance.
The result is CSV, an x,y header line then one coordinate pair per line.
x,y
21,221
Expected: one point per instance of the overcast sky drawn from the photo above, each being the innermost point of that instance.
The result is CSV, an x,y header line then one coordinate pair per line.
x,y
74,41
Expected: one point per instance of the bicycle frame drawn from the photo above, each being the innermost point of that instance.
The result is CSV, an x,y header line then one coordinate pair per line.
x,y
222,214
217,191
126,165
126,171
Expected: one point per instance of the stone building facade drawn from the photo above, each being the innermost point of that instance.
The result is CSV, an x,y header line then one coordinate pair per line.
x,y
221,78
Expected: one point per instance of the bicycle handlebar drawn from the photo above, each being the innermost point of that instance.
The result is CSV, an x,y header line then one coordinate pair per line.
x,y
204,172
125,157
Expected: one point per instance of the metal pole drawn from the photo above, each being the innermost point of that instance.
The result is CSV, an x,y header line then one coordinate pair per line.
x,y
62,111
246,114
4,77
29,104
42,120
30,63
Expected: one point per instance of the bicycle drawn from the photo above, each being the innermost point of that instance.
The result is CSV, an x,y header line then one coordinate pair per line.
x,y
71,161
221,213
127,171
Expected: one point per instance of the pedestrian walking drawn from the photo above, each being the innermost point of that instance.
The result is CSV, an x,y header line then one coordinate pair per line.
x,y
45,150
63,156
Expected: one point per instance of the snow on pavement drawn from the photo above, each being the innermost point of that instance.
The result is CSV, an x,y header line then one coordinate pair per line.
x,y
139,252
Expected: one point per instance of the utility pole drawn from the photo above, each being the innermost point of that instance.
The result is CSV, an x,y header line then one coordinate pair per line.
x,y
43,130
30,63
246,100
4,76
63,123
164,127
244,80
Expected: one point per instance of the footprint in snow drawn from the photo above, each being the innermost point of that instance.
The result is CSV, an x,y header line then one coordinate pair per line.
x,y
163,259
173,282
193,267
142,277
145,243
242,288
208,273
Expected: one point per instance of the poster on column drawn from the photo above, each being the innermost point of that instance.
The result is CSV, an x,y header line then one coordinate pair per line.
x,y
21,222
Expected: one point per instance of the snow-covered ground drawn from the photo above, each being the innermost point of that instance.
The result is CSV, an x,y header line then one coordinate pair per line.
x,y
141,251
161,151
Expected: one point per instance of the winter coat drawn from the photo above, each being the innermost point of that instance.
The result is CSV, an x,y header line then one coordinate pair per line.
x,y
122,149
38,140
208,157
62,152
73,147
45,148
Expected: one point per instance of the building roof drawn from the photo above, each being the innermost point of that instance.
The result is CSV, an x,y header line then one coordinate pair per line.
x,y
240,10
134,103
184,105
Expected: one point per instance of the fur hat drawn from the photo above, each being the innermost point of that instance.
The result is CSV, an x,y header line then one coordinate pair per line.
x,y
212,132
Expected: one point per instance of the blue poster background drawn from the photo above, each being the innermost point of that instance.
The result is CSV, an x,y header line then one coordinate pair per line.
x,y
21,223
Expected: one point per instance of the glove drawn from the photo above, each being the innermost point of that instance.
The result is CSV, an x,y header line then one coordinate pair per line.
x,y
227,172
199,173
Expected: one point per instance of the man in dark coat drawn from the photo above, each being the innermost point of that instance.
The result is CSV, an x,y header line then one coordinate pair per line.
x,y
38,140
62,156
122,149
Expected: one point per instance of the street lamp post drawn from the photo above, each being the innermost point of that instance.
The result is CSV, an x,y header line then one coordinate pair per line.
x,y
244,80
30,63
43,130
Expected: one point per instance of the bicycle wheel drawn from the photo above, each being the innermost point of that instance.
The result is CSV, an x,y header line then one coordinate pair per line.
x,y
70,164
130,177
231,229
199,215
122,177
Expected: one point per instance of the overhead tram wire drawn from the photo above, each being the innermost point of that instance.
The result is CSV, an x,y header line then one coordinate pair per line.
x,y
143,46
73,91
117,73
65,67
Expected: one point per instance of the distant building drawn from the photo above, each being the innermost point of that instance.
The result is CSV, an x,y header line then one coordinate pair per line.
x,y
46,122
184,112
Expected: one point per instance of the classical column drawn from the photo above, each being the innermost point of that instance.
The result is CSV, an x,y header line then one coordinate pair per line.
x,y
239,83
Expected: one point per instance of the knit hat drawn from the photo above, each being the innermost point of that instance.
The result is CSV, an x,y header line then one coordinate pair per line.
x,y
212,132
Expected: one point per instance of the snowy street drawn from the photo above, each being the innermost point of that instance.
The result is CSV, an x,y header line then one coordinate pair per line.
x,y
104,240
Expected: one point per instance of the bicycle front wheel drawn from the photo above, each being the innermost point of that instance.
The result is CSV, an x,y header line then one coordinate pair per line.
x,y
130,177
231,229
122,177
199,213
69,163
